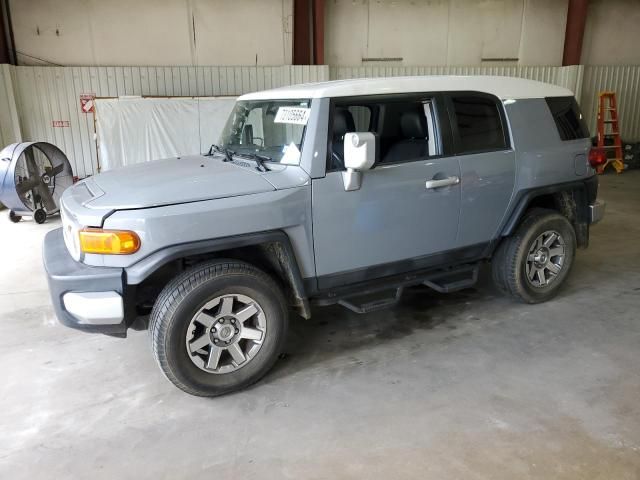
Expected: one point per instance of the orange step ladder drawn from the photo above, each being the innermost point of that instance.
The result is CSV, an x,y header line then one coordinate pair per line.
x,y
608,117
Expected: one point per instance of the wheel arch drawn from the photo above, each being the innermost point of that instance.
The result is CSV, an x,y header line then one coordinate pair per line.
x,y
270,251
569,199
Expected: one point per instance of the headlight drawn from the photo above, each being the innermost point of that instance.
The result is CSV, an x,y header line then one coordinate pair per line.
x,y
109,242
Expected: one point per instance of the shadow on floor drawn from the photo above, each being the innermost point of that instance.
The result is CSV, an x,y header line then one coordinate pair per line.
x,y
335,331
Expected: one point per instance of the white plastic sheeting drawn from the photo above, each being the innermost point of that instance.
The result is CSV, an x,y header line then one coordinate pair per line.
x,y
135,129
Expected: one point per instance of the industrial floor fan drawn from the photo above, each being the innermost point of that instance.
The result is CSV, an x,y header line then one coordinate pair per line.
x,y
33,176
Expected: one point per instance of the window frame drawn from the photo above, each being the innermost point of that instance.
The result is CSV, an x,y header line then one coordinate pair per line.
x,y
457,140
441,121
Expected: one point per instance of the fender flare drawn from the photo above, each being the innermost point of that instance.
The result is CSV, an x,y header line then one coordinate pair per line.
x,y
526,196
284,253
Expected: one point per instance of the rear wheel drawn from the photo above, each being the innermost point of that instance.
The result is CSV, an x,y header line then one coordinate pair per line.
x,y
218,327
532,264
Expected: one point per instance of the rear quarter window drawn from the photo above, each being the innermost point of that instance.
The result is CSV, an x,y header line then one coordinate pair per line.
x,y
568,118
479,124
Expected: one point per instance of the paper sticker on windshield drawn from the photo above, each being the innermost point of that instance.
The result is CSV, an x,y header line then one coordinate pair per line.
x,y
296,115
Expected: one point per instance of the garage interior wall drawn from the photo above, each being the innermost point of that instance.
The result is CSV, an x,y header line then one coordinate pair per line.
x,y
357,32
469,32
35,97
164,32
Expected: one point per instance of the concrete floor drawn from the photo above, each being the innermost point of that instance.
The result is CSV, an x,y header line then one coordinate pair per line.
x,y
470,385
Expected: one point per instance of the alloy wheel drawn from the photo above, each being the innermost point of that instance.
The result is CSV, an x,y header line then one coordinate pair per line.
x,y
545,259
226,333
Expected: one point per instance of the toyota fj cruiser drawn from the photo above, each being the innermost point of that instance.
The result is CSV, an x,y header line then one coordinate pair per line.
x,y
321,194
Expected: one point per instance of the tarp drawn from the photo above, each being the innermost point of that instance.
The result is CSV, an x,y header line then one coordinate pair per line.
x,y
135,129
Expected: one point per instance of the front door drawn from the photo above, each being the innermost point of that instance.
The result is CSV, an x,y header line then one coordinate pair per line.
x,y
407,208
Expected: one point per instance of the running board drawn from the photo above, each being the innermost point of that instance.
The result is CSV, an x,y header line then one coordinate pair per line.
x,y
372,306
444,281
447,282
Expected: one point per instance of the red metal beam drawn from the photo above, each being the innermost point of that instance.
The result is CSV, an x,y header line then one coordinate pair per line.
x,y
576,20
302,32
318,32
7,44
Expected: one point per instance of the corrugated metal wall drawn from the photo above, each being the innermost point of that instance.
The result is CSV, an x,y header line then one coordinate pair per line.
x,y
625,81
9,124
38,96
48,94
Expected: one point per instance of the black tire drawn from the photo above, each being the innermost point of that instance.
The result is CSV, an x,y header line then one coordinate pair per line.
x,y
509,263
185,295
13,217
40,216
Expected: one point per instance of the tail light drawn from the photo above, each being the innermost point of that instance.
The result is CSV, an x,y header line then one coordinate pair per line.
x,y
597,157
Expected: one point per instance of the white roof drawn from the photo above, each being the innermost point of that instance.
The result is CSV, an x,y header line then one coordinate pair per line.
x,y
502,87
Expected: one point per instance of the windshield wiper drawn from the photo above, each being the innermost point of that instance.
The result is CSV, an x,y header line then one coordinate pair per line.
x,y
256,157
229,154
225,151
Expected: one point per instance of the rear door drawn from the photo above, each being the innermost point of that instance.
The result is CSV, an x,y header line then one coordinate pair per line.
x,y
483,147
397,221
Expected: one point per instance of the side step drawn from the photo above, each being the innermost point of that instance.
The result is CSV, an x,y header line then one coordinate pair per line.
x,y
447,282
357,298
373,305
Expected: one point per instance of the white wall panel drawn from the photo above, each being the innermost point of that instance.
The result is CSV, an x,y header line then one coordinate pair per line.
x,y
136,129
445,32
153,32
9,123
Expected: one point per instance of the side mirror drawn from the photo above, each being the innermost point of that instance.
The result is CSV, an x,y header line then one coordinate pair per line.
x,y
359,156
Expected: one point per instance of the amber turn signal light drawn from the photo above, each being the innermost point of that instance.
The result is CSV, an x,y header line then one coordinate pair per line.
x,y
109,242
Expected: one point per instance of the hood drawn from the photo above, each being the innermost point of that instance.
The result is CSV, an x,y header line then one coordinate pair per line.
x,y
173,180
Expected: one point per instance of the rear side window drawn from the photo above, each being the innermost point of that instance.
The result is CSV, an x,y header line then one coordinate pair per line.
x,y
479,124
568,118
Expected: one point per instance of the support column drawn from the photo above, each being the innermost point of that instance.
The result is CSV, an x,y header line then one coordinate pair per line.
x,y
302,32
576,21
318,32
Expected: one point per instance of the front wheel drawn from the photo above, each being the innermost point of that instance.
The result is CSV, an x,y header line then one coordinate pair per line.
x,y
218,327
532,264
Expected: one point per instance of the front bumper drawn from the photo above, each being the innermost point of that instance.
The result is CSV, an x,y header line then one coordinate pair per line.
x,y
596,211
92,299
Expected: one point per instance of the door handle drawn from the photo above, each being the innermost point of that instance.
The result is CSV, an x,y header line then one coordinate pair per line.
x,y
445,182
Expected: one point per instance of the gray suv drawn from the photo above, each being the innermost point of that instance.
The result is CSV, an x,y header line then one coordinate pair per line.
x,y
341,192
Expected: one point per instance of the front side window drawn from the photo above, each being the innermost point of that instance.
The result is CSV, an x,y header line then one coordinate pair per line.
x,y
271,128
406,129
479,124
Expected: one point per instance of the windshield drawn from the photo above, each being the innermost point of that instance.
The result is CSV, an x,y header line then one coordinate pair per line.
x,y
271,128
